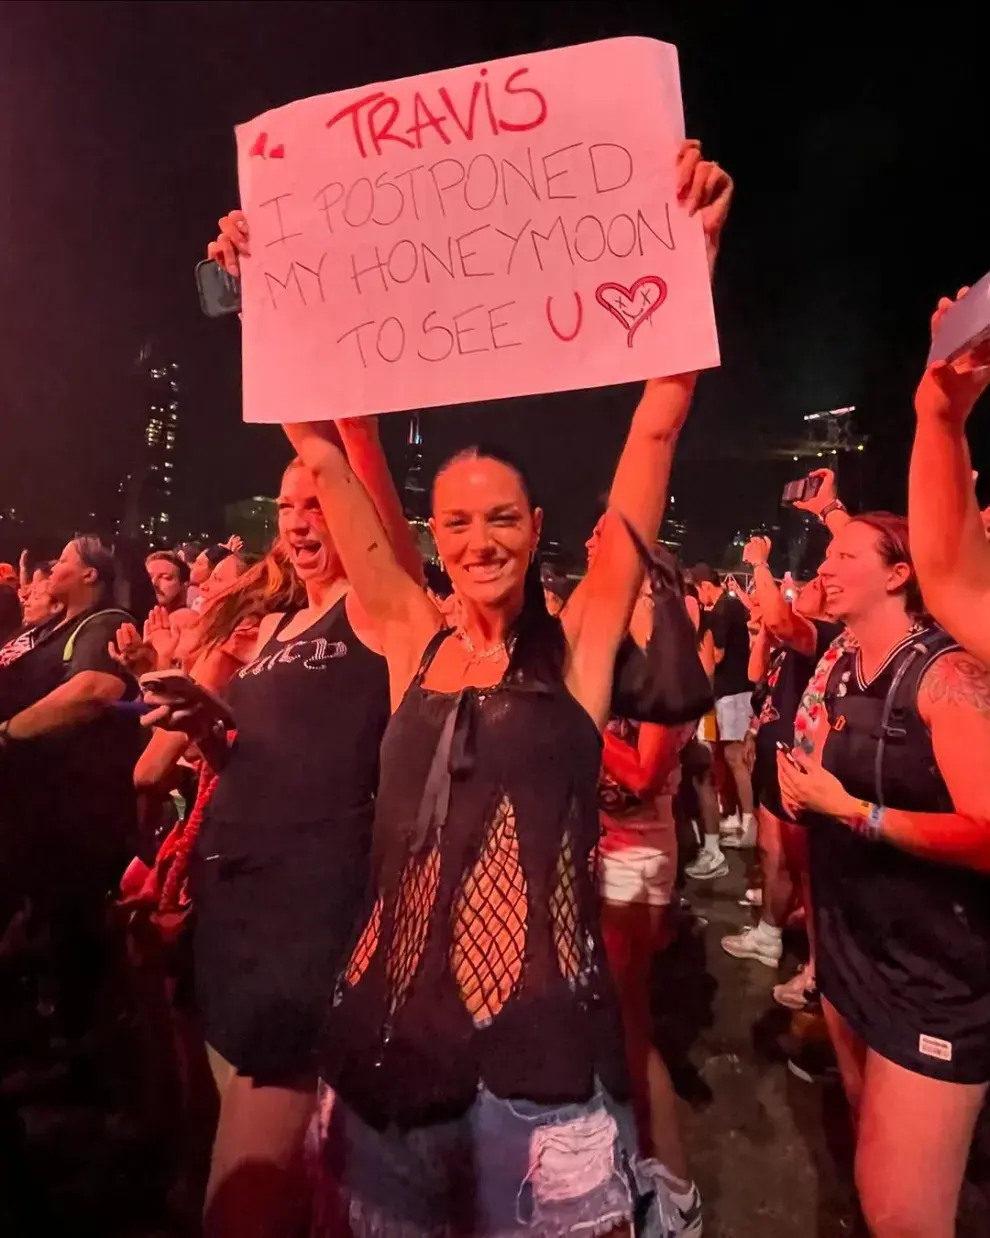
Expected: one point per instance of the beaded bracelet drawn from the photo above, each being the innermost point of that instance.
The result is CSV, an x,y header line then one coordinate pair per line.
x,y
868,822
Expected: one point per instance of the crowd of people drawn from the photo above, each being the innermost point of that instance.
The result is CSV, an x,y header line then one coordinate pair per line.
x,y
380,869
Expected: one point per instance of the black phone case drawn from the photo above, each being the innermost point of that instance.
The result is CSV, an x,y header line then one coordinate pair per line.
x,y
219,292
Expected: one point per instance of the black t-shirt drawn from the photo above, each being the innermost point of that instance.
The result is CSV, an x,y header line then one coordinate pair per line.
x,y
727,621
787,679
84,774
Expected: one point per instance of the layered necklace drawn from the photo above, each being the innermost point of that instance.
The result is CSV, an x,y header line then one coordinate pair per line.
x,y
482,655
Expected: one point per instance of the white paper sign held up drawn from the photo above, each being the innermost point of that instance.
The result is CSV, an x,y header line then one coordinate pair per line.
x,y
496,230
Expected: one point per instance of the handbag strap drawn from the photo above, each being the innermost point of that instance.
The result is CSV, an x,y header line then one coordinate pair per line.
x,y
662,577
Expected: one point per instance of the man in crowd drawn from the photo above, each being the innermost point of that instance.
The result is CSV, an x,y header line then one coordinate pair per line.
x,y
726,617
169,577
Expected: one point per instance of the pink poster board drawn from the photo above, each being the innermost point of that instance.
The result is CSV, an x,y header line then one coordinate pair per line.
x,y
495,230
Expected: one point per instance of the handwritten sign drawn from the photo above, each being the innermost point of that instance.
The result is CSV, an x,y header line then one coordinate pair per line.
x,y
496,230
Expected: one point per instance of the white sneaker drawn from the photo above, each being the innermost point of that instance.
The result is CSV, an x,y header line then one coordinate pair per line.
x,y
708,866
685,1220
752,944
735,835
688,1222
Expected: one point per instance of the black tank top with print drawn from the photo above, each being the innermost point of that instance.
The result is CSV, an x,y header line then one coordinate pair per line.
x,y
481,959
903,943
282,858
310,714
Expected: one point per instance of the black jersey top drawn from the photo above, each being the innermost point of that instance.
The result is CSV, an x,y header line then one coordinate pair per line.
x,y
903,943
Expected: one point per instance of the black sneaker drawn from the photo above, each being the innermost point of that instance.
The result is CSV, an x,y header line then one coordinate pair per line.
x,y
814,1062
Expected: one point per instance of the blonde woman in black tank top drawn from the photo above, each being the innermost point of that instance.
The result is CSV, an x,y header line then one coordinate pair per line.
x,y
281,861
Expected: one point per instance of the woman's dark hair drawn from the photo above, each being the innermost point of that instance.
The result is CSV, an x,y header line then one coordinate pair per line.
x,y
121,576
215,555
702,574
537,648
894,547
189,552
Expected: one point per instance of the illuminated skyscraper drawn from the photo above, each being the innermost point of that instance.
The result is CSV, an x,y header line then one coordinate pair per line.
x,y
413,487
148,488
673,531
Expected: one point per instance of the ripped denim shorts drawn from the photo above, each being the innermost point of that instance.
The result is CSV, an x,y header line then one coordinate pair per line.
x,y
503,1170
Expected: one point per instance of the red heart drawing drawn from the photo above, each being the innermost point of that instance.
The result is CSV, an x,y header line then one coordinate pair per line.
x,y
259,145
628,309
277,152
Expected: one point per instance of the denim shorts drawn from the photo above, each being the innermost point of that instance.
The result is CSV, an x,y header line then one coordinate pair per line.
x,y
503,1170
734,714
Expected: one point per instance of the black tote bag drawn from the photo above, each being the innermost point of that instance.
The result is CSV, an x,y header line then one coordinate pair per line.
x,y
665,682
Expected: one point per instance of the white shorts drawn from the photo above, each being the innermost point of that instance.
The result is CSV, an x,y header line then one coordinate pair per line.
x,y
638,861
734,714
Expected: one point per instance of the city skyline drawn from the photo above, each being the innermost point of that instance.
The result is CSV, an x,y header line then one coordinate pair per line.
x,y
121,161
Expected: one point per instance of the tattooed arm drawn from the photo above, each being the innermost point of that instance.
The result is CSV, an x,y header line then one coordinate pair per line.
x,y
954,701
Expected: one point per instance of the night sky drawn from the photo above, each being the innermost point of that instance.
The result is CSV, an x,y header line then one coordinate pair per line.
x,y
855,156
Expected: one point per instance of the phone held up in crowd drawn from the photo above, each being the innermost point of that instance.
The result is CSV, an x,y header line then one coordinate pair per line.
x,y
802,489
219,291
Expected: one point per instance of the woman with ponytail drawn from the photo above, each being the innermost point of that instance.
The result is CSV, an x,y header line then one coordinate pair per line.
x,y
888,772
475,1019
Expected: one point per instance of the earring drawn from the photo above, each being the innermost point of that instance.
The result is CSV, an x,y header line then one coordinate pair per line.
x,y
441,565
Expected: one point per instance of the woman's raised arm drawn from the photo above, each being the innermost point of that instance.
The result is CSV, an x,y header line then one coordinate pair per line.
x,y
366,457
782,622
395,602
595,626
948,541
599,615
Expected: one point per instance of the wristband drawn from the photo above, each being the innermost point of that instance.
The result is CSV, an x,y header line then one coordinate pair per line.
x,y
868,821
836,505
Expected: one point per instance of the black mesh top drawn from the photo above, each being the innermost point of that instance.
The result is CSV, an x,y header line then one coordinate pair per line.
x,y
481,959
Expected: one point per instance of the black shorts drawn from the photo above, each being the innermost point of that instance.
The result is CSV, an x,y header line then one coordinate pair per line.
x,y
766,788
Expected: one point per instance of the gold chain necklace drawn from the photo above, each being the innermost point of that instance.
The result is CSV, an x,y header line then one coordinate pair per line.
x,y
483,655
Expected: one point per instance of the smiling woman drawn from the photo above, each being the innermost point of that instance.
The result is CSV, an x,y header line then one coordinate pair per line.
x,y
896,732
478,974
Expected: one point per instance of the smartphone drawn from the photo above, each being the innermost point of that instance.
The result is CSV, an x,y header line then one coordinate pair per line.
x,y
964,325
787,754
219,291
178,684
133,709
803,488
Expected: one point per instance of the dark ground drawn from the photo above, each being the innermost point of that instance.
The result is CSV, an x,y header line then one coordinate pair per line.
x,y
771,1154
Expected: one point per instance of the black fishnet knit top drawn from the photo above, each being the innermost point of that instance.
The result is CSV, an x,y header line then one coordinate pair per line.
x,y
481,960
